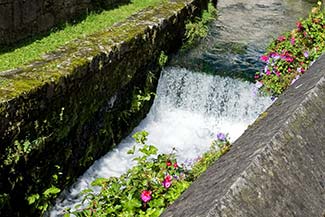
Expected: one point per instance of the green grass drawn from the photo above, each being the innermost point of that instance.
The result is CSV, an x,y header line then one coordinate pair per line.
x,y
93,23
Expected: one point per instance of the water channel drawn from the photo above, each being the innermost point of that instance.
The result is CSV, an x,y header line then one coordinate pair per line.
x,y
203,91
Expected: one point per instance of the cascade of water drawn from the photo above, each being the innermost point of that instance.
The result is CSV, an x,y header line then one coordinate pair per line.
x,y
189,109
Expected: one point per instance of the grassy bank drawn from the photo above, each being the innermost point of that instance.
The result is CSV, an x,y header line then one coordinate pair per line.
x,y
93,23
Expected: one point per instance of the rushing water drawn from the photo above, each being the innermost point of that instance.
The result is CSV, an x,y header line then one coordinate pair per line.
x,y
191,106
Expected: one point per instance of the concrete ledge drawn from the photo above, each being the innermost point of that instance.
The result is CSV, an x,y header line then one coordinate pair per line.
x,y
276,168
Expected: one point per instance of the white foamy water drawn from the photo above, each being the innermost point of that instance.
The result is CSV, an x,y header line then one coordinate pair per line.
x,y
189,109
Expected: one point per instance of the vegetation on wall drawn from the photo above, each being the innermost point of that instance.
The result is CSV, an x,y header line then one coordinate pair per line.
x,y
198,29
291,54
149,187
93,23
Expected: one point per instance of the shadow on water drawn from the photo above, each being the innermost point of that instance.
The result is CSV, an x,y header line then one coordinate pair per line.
x,y
240,36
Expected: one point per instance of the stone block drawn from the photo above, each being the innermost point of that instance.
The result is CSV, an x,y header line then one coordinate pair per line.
x,y
6,18
45,22
31,9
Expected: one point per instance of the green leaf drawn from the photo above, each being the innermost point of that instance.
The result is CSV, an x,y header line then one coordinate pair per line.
x,y
99,182
131,151
140,137
51,191
33,198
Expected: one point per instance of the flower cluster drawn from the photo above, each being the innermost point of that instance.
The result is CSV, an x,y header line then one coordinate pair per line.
x,y
149,187
290,55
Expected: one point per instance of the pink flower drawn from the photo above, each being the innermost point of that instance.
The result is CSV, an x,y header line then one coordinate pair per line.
x,y
299,26
301,70
264,58
289,59
305,33
146,196
167,181
277,73
168,163
256,76
281,38
268,72
292,40
175,165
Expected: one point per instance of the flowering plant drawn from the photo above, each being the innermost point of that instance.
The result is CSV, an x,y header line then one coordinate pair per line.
x,y
290,55
149,187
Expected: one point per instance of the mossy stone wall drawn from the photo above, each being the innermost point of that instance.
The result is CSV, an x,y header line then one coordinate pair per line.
x,y
22,18
60,113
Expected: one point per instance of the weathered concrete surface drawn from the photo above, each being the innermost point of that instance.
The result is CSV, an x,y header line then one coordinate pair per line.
x,y
62,112
276,168
23,18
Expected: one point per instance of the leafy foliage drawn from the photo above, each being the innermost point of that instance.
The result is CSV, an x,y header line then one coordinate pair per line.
x,y
149,187
42,201
292,53
198,29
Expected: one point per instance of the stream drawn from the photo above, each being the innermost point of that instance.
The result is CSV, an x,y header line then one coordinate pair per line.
x,y
205,90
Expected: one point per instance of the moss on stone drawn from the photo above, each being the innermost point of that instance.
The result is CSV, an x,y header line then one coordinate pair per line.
x,y
71,105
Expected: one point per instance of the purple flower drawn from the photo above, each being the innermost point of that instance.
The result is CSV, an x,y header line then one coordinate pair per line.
x,y
167,181
306,54
221,136
258,84
273,98
295,79
299,69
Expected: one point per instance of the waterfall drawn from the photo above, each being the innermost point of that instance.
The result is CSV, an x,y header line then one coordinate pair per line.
x,y
189,109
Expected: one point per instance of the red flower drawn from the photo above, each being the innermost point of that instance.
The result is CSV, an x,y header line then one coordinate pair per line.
x,y
175,165
146,196
168,163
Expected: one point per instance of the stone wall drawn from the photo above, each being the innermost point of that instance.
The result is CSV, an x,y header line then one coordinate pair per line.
x,y
62,112
276,168
23,18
